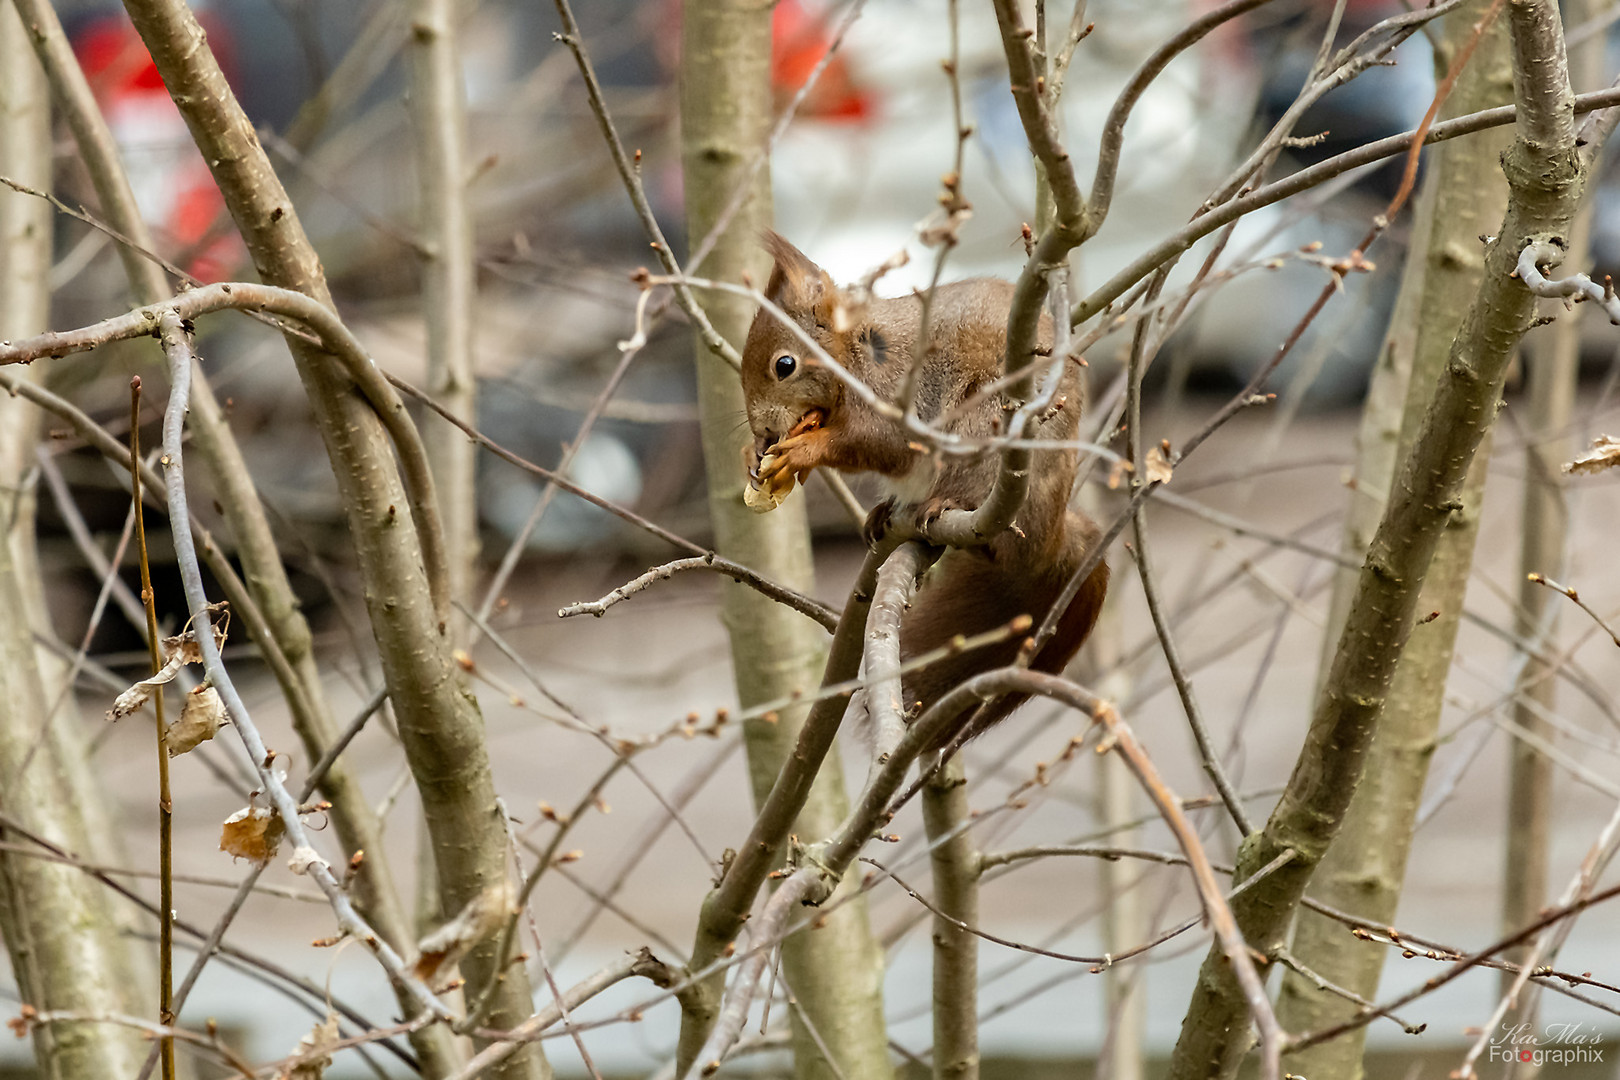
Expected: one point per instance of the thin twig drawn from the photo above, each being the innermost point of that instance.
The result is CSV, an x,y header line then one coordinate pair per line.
x,y
534,929
1215,906
166,1033
816,610
1579,887
637,845
1128,277
1097,964
486,996
506,1043
1139,357
766,929
736,571
1576,287
1329,74
166,1013
338,340
1464,964
1569,591
1113,133
514,550
112,587
1414,945
304,859
846,498
257,966
631,175
1288,960
1208,757
824,864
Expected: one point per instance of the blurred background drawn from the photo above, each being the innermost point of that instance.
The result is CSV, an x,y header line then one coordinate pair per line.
x,y
857,170
853,176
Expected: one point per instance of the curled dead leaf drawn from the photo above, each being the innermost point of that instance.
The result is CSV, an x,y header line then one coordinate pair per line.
x,y
133,699
253,832
310,1058
184,644
1605,454
484,915
200,718
179,650
1157,467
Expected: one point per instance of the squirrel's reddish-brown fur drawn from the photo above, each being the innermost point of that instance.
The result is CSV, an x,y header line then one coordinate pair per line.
x,y
970,590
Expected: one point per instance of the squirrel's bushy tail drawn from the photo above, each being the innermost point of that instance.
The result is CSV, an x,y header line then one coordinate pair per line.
x,y
984,591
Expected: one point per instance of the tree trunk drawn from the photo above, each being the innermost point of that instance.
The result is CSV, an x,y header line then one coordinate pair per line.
x,y
61,926
439,723
449,275
1464,197
234,492
836,971
1553,364
1545,178
956,867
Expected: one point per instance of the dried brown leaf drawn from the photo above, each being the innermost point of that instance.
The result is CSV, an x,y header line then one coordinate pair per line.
x,y
133,699
184,644
310,1050
1605,454
200,718
253,832
179,650
1157,468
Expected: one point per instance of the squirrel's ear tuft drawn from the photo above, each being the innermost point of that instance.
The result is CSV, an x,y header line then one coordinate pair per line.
x,y
796,284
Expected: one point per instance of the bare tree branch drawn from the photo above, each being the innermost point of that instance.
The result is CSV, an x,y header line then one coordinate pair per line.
x,y
449,274
1544,179
305,859
821,613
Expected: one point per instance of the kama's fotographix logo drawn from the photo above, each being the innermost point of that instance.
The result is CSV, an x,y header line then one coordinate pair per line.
x,y
1554,1044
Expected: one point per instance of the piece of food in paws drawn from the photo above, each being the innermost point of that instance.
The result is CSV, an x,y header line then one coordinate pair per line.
x,y
762,500
766,494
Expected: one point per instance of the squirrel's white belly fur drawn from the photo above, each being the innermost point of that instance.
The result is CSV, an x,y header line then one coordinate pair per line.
x,y
911,487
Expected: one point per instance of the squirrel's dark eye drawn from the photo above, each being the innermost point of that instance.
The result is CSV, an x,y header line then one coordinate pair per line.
x,y
785,366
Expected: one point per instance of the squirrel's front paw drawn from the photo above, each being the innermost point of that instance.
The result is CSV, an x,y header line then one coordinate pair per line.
x,y
920,516
796,455
877,522
929,510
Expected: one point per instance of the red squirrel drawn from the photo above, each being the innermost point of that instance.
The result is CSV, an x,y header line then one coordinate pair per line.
x,y
804,417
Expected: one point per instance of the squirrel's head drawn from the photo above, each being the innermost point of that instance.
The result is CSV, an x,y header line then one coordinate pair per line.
x,y
782,379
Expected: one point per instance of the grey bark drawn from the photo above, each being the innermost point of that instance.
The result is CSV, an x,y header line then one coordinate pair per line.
x,y
449,274
61,927
262,570
1464,197
1552,365
955,863
438,719
837,971
1545,178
